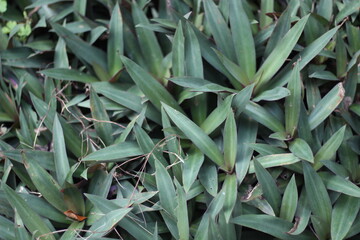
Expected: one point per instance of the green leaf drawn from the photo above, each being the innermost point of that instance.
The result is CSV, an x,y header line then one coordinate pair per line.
x,y
230,142
107,222
148,43
217,116
301,149
275,160
45,184
166,188
289,201
101,119
31,219
237,75
115,152
268,184
339,184
280,53
196,135
115,46
303,213
62,166
72,230
272,94
246,135
209,178
178,52
219,29
7,230
152,89
69,75
191,168
349,8
261,115
242,38
60,56
292,102
344,213
230,190
317,195
326,106
81,49
328,150
126,99
146,144
182,212
274,226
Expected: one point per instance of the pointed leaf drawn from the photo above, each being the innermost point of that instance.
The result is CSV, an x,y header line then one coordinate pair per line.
x,y
196,135
268,184
326,106
62,166
31,219
152,89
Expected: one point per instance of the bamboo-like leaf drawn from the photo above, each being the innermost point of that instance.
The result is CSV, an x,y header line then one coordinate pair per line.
x,y
166,188
280,53
247,132
302,214
209,178
116,151
268,184
272,94
81,49
328,150
339,184
152,89
242,98
344,213
149,45
45,184
107,222
242,38
147,145
274,226
275,160
31,219
178,52
238,76
348,9
7,229
317,195
326,106
266,7
262,116
101,120
306,55
127,100
230,189
230,142
72,230
62,166
292,102
289,201
301,149
69,75
115,47
182,212
219,29
191,168
196,135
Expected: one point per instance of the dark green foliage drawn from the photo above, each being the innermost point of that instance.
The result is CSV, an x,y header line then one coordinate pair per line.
x,y
179,119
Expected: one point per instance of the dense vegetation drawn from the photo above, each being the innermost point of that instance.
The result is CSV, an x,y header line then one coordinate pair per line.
x,y
179,119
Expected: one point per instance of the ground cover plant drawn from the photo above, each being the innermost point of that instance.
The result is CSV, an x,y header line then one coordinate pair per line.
x,y
179,119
